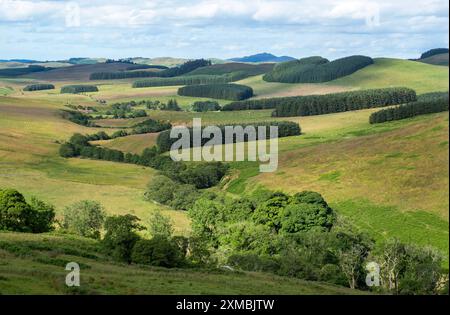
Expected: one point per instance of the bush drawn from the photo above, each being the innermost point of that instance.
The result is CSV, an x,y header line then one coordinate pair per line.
x,y
67,150
38,87
159,251
84,218
328,103
426,104
74,89
205,106
219,91
160,225
316,69
121,236
160,189
17,215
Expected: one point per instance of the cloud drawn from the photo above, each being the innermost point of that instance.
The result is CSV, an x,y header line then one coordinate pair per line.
x,y
223,28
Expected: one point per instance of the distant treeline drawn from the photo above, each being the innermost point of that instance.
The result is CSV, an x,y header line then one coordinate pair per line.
x,y
285,129
170,72
435,51
38,87
12,72
328,103
205,106
426,104
203,175
74,89
190,80
316,69
144,66
220,91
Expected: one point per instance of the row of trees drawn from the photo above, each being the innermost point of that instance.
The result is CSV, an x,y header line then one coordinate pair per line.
x,y
328,103
13,72
170,72
77,118
285,129
435,51
38,87
316,69
16,214
220,91
203,175
426,104
186,80
74,89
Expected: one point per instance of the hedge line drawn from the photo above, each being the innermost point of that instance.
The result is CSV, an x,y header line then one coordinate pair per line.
x,y
427,104
74,89
285,129
316,69
189,80
170,72
38,87
203,175
219,91
328,103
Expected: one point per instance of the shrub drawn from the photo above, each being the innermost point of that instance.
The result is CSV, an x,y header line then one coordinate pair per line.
x,y
159,251
205,106
84,218
316,69
219,91
426,104
160,189
121,236
38,87
74,89
67,150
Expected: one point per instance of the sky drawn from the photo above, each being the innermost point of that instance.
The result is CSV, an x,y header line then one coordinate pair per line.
x,y
56,30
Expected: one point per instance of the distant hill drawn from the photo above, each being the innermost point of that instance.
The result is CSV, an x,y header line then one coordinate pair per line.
x,y
433,52
438,60
263,57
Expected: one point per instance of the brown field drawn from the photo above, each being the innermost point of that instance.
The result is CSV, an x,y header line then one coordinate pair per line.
x,y
133,144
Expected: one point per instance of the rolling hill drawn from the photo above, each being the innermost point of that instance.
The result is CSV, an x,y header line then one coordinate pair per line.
x,y
438,60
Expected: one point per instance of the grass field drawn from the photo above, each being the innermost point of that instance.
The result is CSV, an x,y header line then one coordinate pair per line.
x,y
34,264
385,72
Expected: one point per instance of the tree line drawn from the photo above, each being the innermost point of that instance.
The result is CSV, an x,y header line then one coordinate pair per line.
x,y
316,69
38,87
285,129
74,89
187,80
435,51
426,104
327,103
170,72
203,175
219,91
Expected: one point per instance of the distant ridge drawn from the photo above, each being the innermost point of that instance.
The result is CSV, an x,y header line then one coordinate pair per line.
x,y
263,57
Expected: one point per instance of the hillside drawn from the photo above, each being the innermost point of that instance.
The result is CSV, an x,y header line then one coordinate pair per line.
x,y
78,72
219,69
263,57
34,264
438,60
385,72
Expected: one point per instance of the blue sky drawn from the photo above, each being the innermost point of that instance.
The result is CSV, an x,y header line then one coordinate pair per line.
x,y
52,30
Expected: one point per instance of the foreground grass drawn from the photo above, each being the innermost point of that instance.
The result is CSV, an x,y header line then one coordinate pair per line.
x,y
34,264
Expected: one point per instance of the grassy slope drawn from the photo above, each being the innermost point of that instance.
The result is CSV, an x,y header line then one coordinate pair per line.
x,y
385,72
439,60
34,264
29,162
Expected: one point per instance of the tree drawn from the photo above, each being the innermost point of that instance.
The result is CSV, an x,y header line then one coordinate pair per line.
x,y
160,225
298,217
350,262
121,236
42,216
15,213
159,251
67,150
269,212
160,189
84,218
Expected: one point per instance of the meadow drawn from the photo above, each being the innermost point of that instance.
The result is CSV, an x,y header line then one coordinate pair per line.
x,y
389,179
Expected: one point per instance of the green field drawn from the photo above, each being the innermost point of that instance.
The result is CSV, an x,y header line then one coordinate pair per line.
x,y
34,264
390,179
